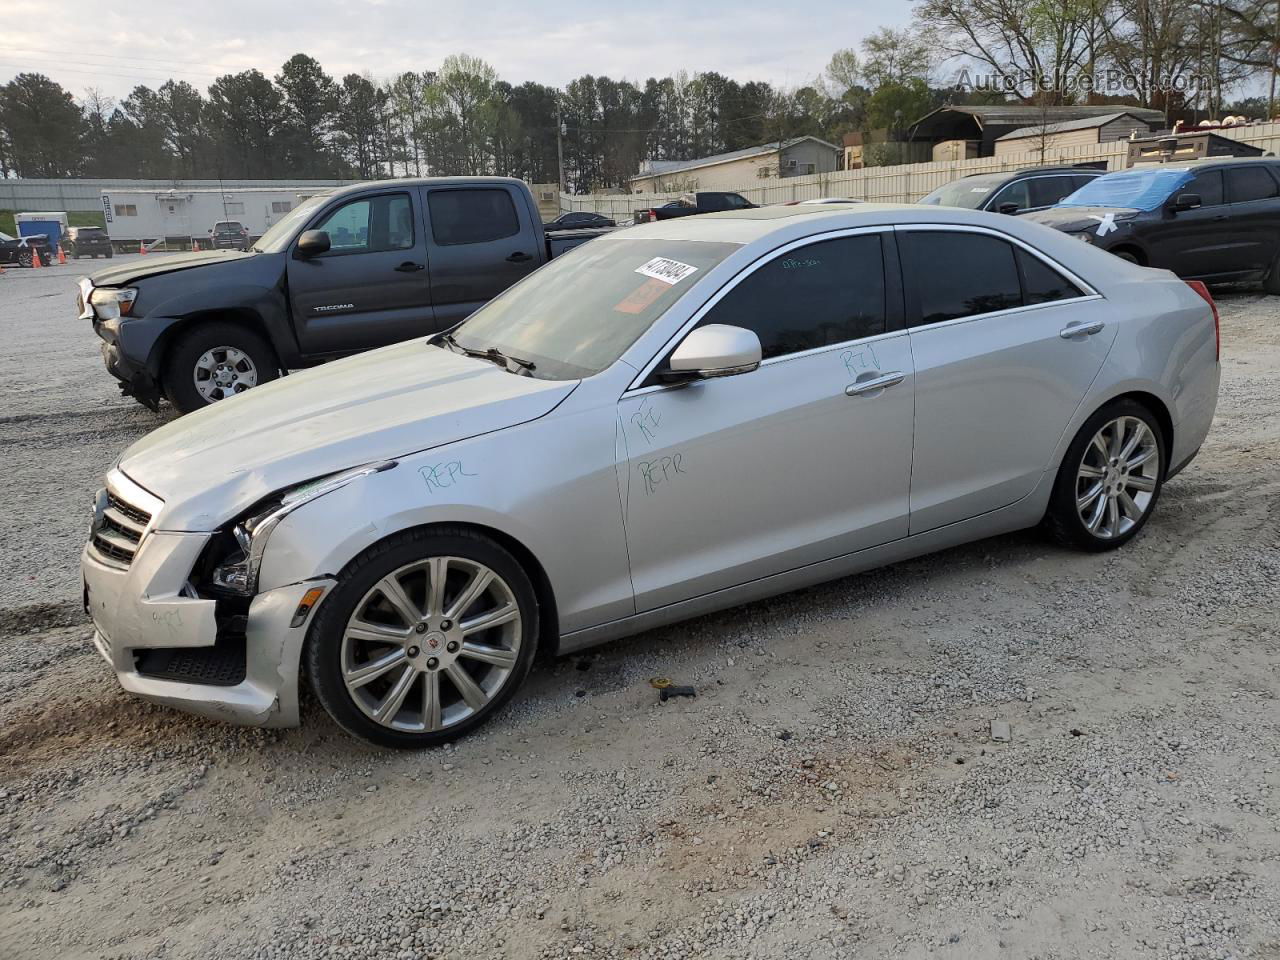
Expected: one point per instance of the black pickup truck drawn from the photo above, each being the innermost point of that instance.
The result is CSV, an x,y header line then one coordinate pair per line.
x,y
359,267
707,201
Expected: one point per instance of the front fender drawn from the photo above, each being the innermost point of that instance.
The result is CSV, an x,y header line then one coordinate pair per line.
x,y
549,485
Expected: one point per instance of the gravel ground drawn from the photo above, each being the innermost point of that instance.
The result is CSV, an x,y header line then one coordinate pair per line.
x,y
843,785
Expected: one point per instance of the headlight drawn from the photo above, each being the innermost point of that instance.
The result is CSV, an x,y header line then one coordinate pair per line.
x,y
1086,237
238,572
112,302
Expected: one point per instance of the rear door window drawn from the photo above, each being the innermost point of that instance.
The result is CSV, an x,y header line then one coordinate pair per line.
x,y
955,274
472,215
1249,183
1041,283
818,295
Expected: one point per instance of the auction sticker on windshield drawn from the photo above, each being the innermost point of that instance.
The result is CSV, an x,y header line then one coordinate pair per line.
x,y
668,271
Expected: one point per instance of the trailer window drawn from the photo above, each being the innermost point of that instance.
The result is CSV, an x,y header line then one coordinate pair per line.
x,y
126,210
280,206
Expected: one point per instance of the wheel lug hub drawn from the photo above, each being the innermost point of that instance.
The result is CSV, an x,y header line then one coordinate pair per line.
x,y
432,663
452,646
413,651
421,628
446,624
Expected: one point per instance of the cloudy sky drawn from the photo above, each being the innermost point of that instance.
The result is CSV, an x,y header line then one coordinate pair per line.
x,y
112,45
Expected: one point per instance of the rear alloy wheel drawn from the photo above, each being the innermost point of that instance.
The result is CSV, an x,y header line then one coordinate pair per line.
x,y
213,361
1110,480
25,258
423,639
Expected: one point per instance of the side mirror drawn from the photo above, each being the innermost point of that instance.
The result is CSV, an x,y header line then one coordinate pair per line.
x,y
1007,207
312,243
716,350
1186,201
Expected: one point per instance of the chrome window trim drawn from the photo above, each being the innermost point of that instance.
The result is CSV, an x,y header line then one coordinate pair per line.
x,y
637,385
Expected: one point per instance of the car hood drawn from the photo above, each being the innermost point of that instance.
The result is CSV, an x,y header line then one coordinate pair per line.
x,y
1073,219
122,273
214,464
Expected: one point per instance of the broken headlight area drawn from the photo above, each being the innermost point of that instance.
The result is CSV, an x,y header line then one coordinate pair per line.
x,y
233,558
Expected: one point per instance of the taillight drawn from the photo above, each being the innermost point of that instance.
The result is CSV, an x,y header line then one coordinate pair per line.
x,y
1199,287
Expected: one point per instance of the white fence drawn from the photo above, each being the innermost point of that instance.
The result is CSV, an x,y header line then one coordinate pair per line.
x,y
906,183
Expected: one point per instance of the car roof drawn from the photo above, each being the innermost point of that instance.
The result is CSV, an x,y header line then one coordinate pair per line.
x,y
1205,162
746,226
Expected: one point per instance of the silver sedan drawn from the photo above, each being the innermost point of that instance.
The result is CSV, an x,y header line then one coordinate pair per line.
x,y
670,420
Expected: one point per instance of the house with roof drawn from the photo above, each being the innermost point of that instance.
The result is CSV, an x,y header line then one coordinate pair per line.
x,y
794,157
1045,137
980,126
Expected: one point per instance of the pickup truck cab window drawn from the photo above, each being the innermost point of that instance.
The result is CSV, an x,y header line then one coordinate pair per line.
x,y
472,215
370,225
813,296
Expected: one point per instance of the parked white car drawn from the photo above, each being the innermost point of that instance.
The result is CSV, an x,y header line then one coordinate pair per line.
x,y
669,420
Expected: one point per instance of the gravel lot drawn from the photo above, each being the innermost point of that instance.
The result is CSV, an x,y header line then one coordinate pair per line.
x,y
834,790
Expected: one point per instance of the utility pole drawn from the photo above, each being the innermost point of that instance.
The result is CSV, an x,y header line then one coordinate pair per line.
x,y
1275,52
560,132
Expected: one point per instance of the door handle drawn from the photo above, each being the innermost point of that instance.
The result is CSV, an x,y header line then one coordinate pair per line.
x,y
409,266
1081,329
860,387
519,257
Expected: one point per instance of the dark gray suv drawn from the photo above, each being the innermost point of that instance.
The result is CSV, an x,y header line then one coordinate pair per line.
x,y
1020,191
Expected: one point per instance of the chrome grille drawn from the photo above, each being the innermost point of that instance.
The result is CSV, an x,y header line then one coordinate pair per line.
x,y
120,526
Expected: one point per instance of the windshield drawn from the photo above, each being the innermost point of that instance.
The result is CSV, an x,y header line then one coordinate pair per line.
x,y
967,192
1141,189
227,226
578,314
277,238
5,236
91,233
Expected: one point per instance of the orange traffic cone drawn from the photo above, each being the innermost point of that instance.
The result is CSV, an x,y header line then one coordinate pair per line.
x,y
35,259
142,247
62,257
195,246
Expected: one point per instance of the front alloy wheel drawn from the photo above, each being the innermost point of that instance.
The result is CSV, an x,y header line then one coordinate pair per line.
x,y
425,636
222,372
430,644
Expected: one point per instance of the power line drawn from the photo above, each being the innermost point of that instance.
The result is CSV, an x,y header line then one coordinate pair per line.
x,y
22,66
80,55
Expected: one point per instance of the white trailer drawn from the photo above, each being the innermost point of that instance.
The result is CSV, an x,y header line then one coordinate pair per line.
x,y
177,217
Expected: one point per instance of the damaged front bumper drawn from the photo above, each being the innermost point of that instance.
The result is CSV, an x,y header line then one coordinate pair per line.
x,y
169,645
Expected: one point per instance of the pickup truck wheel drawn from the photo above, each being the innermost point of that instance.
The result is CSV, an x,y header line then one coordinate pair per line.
x,y
214,361
426,636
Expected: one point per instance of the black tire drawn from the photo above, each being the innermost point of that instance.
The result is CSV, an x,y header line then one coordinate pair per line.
x,y
322,655
1272,282
25,259
178,367
1063,519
